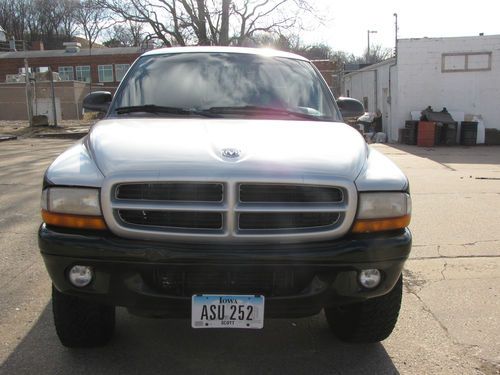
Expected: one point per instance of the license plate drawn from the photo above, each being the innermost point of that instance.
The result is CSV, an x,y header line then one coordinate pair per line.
x,y
227,311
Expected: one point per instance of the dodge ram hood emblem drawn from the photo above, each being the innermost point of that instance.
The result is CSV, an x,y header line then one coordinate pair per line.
x,y
231,153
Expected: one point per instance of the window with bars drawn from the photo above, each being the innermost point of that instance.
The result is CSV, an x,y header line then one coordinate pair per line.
x,y
83,73
105,73
66,73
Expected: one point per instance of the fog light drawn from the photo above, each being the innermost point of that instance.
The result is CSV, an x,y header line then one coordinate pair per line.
x,y
80,276
369,278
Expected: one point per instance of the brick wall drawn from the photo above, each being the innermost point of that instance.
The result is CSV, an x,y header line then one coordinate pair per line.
x,y
327,69
12,65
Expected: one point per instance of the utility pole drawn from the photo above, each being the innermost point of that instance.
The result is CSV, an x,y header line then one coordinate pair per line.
x,y
368,32
224,26
90,65
396,34
28,88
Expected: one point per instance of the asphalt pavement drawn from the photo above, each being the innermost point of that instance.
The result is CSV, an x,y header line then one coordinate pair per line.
x,y
449,323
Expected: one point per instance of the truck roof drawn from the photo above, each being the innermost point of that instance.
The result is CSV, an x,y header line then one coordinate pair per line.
x,y
205,49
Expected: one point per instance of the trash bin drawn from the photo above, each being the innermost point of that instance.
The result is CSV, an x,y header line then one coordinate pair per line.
x,y
450,134
426,134
468,133
411,132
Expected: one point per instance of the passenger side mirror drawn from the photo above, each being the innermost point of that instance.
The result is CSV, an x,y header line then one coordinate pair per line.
x,y
350,108
97,101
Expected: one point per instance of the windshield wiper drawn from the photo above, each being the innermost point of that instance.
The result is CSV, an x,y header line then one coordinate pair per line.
x,y
153,108
258,109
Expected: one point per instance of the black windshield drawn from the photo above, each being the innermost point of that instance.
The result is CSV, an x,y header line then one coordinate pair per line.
x,y
202,81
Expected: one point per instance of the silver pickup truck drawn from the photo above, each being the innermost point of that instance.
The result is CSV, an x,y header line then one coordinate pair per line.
x,y
223,186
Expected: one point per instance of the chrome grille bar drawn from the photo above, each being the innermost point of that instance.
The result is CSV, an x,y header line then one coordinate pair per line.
x,y
281,207
286,219
161,206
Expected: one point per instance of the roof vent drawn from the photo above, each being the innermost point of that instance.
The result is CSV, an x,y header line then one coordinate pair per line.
x,y
72,47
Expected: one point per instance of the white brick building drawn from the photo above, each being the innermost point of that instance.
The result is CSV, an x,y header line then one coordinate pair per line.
x,y
461,74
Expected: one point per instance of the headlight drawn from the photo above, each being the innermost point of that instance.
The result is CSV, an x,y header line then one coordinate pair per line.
x,y
80,201
382,211
72,207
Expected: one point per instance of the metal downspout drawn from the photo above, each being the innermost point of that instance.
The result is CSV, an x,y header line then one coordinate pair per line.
x,y
389,136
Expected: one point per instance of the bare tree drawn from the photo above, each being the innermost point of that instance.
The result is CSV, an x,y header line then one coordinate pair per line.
x,y
46,20
316,52
127,34
13,15
377,54
91,20
254,17
161,17
68,22
203,22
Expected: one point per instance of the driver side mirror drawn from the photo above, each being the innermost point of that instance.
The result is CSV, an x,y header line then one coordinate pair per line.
x,y
350,108
98,101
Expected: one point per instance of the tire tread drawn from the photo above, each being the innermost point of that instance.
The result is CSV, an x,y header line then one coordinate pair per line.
x,y
367,322
80,323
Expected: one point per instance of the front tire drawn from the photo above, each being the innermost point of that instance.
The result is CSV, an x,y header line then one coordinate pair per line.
x,y
80,323
367,322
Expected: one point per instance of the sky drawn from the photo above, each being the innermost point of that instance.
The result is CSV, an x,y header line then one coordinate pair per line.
x,y
346,22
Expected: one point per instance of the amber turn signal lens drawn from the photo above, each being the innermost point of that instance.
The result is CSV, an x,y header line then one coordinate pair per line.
x,y
74,221
379,225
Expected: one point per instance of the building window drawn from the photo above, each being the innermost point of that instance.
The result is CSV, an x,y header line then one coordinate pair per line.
x,y
105,73
120,70
83,73
465,62
66,73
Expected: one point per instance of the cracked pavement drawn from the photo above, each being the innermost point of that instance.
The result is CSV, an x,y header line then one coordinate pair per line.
x,y
454,267
449,322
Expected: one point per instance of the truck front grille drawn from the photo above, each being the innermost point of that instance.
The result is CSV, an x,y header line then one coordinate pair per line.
x,y
173,191
287,220
232,210
279,193
172,219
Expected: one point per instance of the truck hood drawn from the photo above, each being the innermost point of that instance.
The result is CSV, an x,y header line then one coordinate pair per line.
x,y
168,147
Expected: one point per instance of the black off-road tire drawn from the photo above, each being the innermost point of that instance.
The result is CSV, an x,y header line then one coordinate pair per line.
x,y
367,322
80,323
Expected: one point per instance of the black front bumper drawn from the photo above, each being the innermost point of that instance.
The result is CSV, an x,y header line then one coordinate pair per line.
x,y
122,268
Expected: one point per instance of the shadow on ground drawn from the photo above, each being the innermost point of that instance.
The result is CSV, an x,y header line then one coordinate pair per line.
x,y
146,346
456,154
